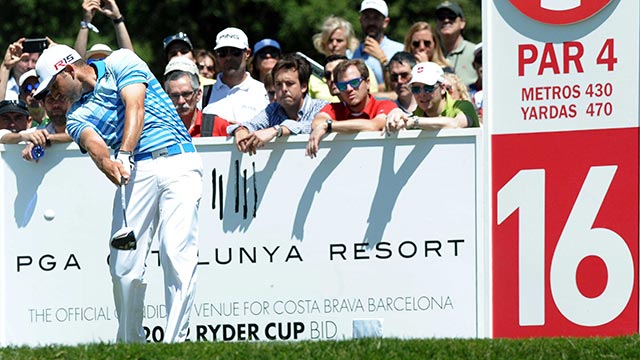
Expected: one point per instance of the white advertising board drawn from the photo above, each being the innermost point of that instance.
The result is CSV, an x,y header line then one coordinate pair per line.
x,y
375,237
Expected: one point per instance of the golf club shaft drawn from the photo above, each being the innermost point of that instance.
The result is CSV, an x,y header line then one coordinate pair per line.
x,y
124,201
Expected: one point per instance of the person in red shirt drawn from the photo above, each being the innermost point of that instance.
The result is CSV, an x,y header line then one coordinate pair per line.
x,y
357,111
183,87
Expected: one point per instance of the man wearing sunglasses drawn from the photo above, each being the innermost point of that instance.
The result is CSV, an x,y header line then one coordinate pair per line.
x,y
28,86
400,67
235,96
357,111
182,84
292,112
436,109
450,24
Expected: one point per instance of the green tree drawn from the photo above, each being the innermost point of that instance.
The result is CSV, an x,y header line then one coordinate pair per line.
x,y
291,22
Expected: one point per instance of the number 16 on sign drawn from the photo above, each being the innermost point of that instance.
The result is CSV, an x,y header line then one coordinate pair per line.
x,y
565,237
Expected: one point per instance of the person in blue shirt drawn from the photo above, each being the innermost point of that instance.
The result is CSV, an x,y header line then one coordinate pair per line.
x,y
291,113
117,103
376,48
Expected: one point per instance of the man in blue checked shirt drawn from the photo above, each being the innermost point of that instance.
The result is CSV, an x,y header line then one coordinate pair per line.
x,y
118,103
292,112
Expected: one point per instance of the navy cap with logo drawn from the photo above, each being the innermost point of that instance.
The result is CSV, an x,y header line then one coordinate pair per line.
x,y
13,106
177,37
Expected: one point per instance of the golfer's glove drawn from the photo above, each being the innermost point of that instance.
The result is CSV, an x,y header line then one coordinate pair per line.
x,y
126,158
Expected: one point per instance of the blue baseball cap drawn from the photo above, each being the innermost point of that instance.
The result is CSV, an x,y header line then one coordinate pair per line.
x,y
266,43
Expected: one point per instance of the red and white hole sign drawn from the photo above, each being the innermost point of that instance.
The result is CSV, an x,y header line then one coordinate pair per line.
x,y
565,233
560,12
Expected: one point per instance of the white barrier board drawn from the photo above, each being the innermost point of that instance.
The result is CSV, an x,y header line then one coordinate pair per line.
x,y
375,237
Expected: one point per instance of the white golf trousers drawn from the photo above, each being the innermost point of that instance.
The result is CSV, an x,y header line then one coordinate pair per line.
x,y
163,196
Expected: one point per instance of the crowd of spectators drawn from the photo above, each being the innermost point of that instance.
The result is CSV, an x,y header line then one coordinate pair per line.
x,y
370,82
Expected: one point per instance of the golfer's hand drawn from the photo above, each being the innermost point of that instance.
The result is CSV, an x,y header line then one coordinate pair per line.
x,y
115,171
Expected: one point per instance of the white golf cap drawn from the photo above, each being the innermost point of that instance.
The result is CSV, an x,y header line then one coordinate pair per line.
x,y
378,5
98,49
25,76
232,37
52,62
181,63
428,73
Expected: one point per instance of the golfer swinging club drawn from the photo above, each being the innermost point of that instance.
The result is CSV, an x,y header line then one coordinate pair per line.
x,y
118,103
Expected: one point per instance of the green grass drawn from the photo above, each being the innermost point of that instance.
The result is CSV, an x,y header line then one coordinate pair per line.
x,y
627,347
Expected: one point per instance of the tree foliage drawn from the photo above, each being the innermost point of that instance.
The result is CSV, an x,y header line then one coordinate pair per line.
x,y
291,22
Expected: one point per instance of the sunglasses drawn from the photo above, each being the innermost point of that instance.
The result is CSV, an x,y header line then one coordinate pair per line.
x,y
354,83
209,68
91,61
427,43
417,89
274,54
224,52
186,95
446,16
404,75
21,104
27,88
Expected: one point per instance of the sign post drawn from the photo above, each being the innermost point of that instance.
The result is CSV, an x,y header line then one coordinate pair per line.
x,y
562,109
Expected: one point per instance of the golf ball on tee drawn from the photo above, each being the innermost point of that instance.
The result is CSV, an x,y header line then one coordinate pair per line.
x,y
49,214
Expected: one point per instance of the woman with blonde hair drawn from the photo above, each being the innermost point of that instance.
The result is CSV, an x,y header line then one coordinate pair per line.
x,y
423,43
337,37
456,88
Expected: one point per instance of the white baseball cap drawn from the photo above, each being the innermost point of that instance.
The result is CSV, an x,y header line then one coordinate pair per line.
x,y
428,73
25,76
181,63
52,62
378,5
98,49
232,37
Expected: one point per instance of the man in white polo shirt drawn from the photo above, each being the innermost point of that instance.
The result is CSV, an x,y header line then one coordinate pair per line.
x,y
236,96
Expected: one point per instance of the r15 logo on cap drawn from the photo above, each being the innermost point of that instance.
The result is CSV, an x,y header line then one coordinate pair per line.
x,y
63,62
560,12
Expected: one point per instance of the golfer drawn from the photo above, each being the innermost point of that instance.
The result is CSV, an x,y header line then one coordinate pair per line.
x,y
118,103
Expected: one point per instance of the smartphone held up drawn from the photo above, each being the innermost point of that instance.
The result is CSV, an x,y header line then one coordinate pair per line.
x,y
35,45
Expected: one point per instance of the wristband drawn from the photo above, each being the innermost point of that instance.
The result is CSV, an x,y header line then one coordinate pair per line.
x,y
85,25
118,20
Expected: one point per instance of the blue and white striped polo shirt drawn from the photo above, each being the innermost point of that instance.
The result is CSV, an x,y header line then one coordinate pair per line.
x,y
103,109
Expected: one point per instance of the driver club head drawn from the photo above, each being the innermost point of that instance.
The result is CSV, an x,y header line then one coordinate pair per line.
x,y
124,239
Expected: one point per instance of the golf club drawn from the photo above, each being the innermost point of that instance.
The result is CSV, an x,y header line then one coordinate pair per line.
x,y
124,239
